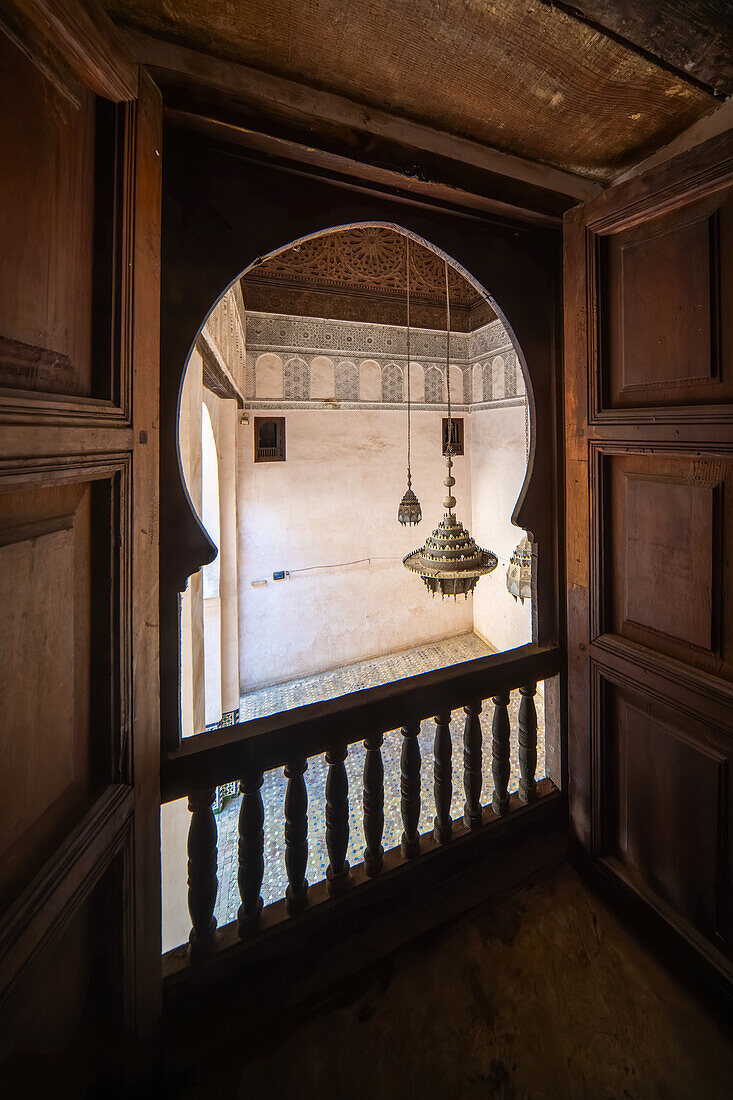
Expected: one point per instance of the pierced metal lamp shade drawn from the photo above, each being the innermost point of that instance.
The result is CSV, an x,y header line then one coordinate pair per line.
x,y
409,512
519,571
450,562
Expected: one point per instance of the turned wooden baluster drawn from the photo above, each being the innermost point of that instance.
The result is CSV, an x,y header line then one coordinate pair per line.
x,y
296,835
337,819
442,772
500,753
410,789
527,743
202,880
373,804
472,774
251,852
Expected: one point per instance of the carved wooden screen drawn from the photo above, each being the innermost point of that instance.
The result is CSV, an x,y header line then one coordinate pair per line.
x,y
79,733
649,428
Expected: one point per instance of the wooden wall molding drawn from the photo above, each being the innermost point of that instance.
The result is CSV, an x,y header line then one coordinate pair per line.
x,y
62,36
48,903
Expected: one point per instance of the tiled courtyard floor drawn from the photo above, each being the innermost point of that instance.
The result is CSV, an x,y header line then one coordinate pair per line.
x,y
328,685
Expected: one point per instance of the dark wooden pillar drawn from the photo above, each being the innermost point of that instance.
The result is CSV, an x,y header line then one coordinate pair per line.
x,y
373,804
500,753
251,852
202,865
296,835
527,743
410,789
337,819
472,763
443,774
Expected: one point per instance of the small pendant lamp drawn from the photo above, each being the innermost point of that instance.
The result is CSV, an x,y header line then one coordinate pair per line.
x,y
409,512
450,562
519,570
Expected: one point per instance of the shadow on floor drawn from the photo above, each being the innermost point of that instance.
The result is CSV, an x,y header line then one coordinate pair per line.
x,y
542,995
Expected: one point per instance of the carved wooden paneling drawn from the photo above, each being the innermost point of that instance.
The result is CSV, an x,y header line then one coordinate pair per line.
x,y
666,804
649,382
60,573
61,1021
665,291
79,221
48,192
662,525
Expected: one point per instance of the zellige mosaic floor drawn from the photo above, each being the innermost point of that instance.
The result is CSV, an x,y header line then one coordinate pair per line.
x,y
329,685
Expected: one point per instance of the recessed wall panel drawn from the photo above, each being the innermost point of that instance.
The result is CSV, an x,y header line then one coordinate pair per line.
x,y
666,804
58,587
664,581
665,311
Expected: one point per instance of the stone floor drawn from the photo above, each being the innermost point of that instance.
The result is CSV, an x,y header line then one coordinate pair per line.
x,y
544,995
328,685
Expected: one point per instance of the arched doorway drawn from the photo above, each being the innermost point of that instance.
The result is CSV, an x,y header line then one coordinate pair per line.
x,y
312,583
329,478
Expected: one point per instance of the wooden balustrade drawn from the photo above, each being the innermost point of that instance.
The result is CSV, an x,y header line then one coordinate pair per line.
x,y
500,733
251,856
202,865
443,788
373,804
410,789
296,834
472,761
255,754
337,819
527,743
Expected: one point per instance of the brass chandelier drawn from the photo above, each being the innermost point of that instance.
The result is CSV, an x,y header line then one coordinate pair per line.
x,y
519,570
450,562
409,511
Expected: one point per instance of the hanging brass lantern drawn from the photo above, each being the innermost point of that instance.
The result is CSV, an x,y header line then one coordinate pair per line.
x,y
409,512
519,572
450,562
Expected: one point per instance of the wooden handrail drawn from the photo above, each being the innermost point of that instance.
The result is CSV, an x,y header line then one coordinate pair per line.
x,y
217,757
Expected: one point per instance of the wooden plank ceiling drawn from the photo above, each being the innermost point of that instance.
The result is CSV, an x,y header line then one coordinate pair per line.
x,y
526,77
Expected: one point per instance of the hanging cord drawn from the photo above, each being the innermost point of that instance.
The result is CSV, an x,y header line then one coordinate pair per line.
x,y
449,447
526,426
407,264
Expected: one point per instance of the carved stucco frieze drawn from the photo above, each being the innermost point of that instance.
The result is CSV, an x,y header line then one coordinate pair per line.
x,y
297,341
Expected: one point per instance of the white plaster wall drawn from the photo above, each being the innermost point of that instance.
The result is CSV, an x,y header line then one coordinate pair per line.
x,y
323,385
176,922
212,659
269,376
497,454
335,500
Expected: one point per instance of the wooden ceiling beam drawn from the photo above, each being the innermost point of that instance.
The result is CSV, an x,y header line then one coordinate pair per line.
x,y
357,174
318,111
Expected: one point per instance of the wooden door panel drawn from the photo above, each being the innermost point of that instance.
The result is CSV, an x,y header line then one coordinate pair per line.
x,y
48,188
79,736
665,808
62,1025
663,580
61,561
649,485
664,297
